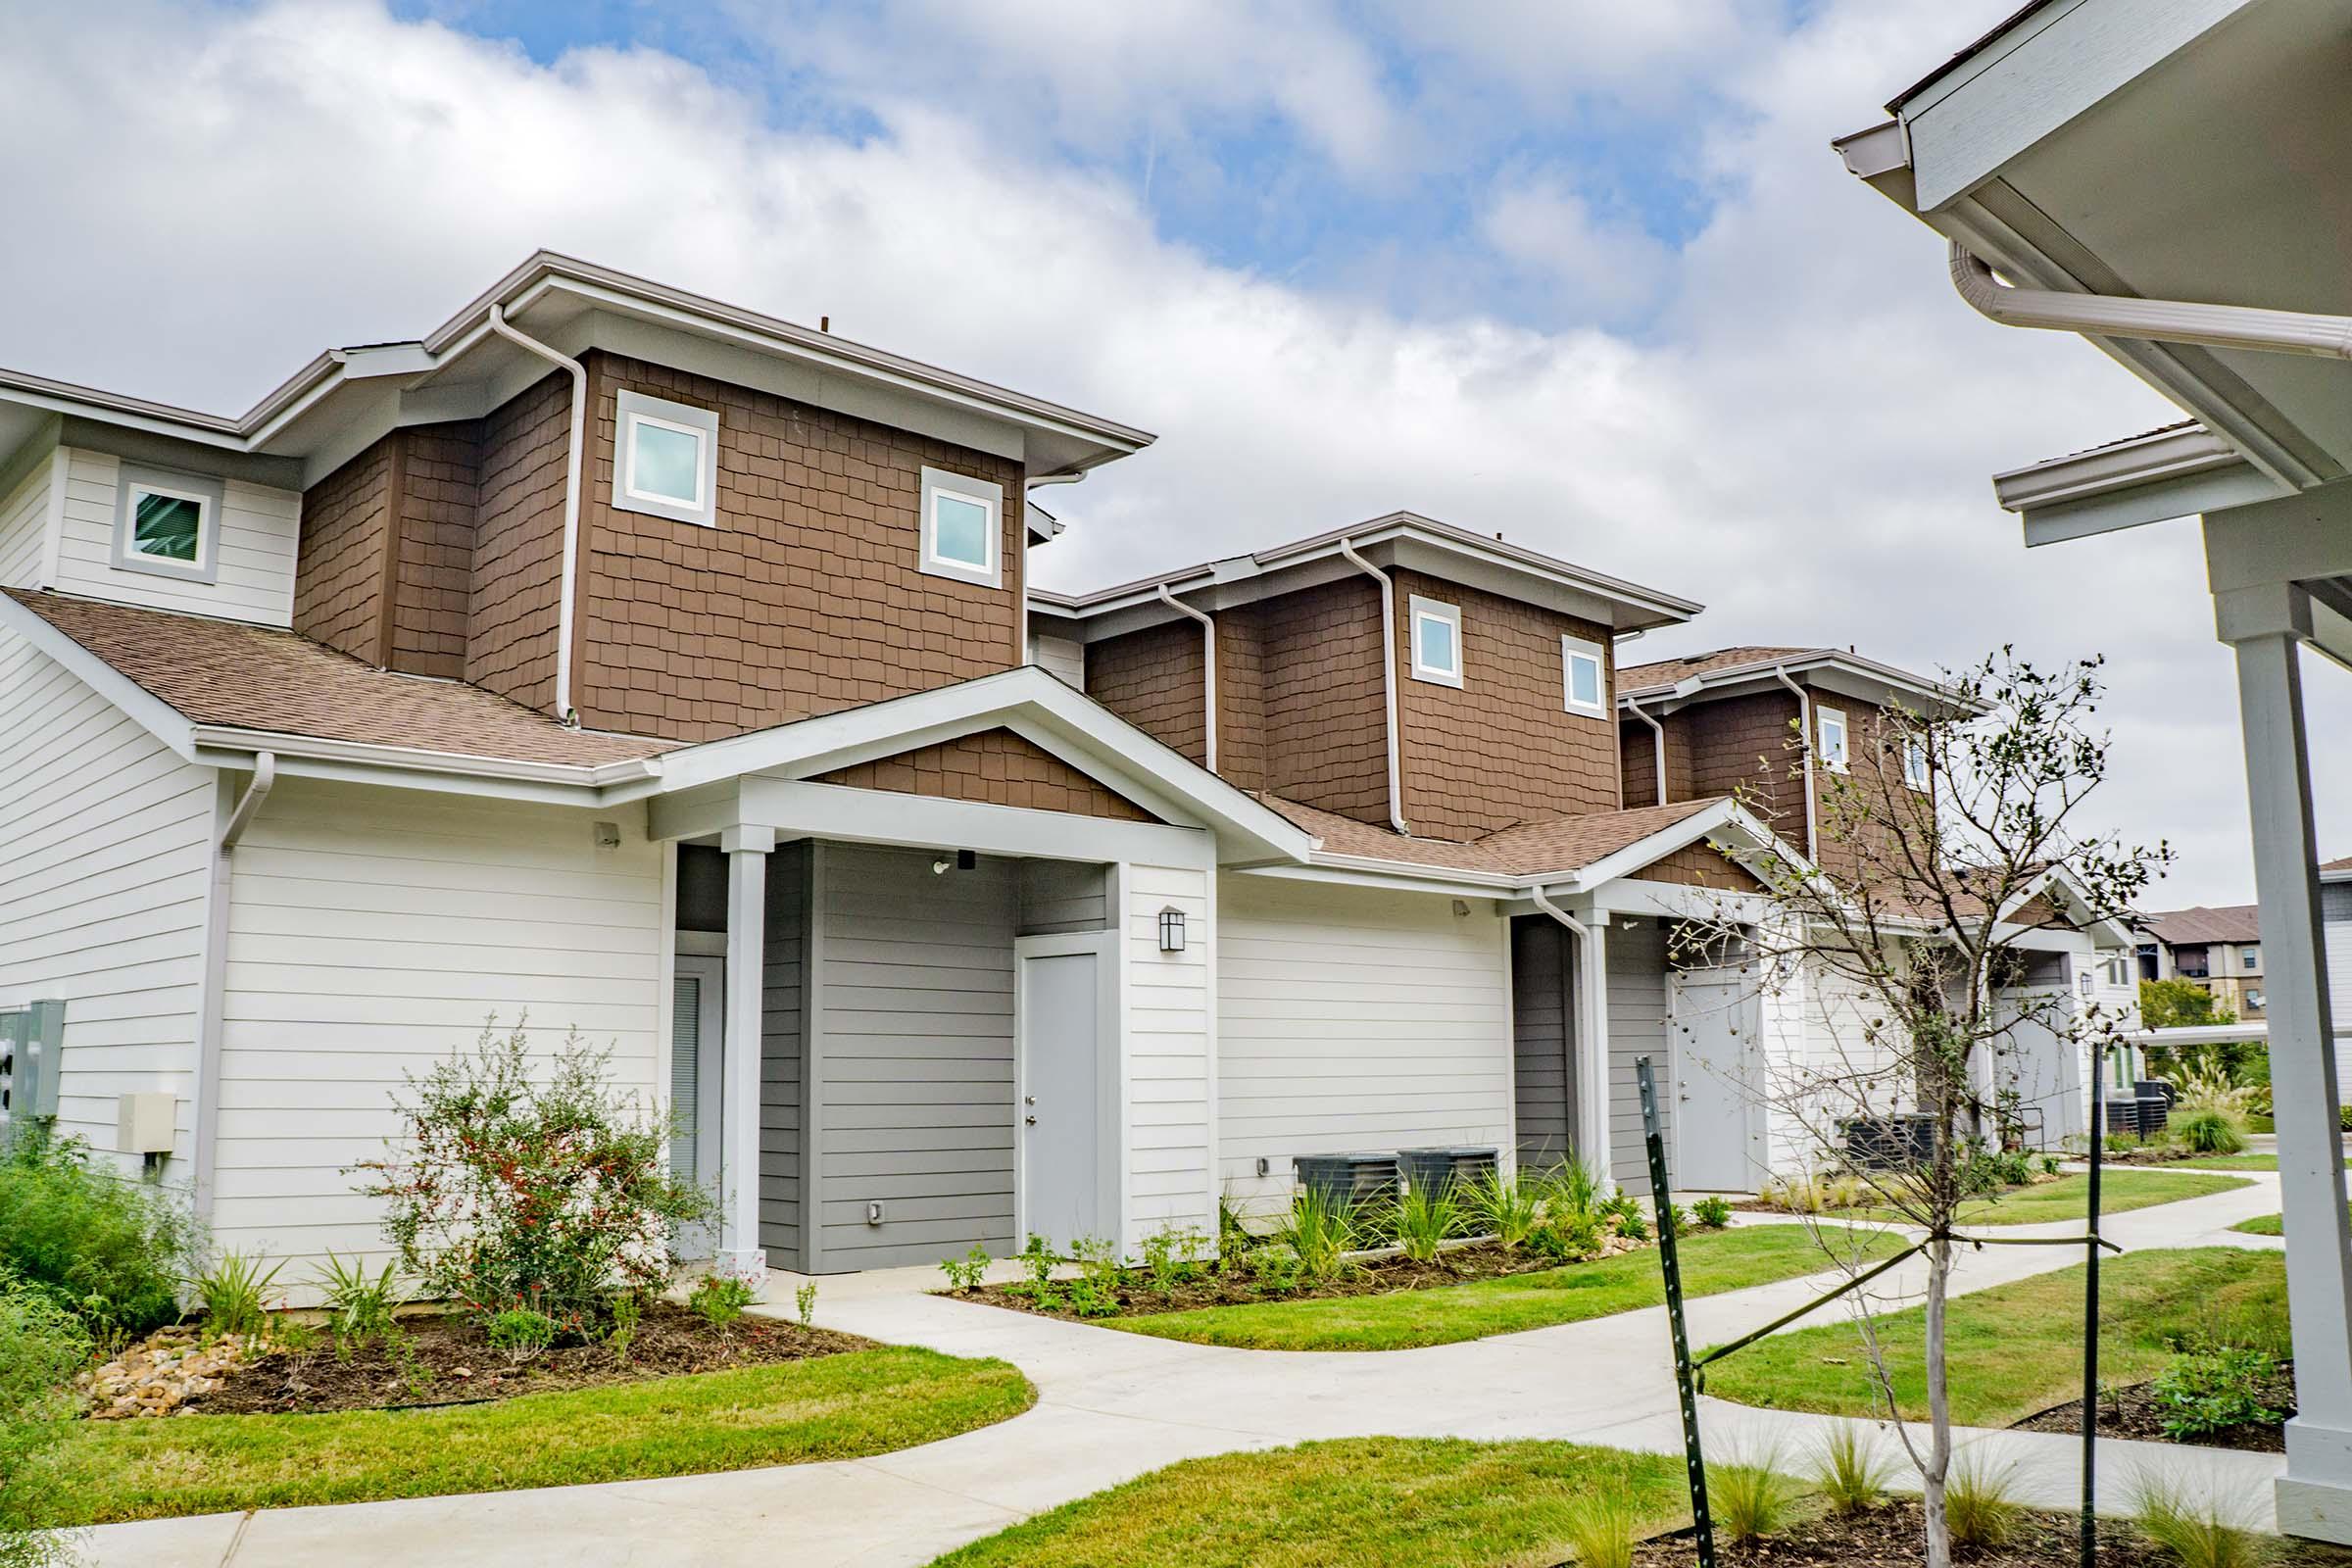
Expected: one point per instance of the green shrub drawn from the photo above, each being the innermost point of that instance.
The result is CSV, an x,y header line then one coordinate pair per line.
x,y
1598,1529
1713,1211
718,1299
1625,1212
1749,1500
1172,1256
42,1344
1274,1270
520,1333
529,1178
235,1294
359,1307
2207,1392
2208,1130
109,1250
1850,1470
804,1304
1423,1219
1095,1292
2196,1535
1980,1501
966,1274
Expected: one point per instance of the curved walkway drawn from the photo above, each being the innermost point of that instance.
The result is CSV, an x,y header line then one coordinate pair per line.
x,y
1113,1406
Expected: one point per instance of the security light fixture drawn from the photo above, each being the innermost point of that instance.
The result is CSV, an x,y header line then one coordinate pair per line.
x,y
1171,929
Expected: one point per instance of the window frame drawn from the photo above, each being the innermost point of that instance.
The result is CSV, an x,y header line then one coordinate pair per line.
x,y
210,496
1917,775
2249,958
984,493
1843,761
633,409
1572,649
1450,615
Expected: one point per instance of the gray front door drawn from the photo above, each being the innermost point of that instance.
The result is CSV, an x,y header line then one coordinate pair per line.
x,y
1065,1114
1713,1022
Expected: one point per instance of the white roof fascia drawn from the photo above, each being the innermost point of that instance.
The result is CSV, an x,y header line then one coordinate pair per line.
x,y
1761,670
2148,478
1393,876
149,711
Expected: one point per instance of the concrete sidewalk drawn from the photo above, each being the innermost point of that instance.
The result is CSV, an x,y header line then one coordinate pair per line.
x,y
1115,1406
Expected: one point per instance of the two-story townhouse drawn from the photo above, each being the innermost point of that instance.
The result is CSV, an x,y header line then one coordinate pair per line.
x,y
1767,725
2217,947
643,666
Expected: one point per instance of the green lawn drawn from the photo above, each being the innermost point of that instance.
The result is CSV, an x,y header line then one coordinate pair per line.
x,y
837,1407
1722,1260
1433,1504
2236,1163
2017,1349
2068,1196
2262,1225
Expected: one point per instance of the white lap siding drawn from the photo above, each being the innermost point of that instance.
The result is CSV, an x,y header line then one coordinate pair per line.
x,y
25,523
1171,1065
373,932
105,842
1353,1019
255,552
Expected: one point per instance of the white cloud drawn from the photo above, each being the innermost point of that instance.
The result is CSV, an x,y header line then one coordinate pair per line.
x,y
1595,268
1801,437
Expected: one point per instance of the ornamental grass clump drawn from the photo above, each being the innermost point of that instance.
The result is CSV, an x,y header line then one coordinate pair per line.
x,y
2197,1533
529,1180
1980,1501
1506,1209
1424,1219
1750,1500
1599,1530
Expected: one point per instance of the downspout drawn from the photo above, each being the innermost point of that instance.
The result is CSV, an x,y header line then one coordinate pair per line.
x,y
565,591
1208,665
207,1118
1588,1026
1659,729
1387,675
1804,729
2216,326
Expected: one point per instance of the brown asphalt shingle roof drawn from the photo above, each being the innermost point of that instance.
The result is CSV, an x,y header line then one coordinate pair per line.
x,y
237,676
1566,843
1673,671
2206,924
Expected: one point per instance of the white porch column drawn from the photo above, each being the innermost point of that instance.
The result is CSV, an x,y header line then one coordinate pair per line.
x,y
1593,1076
2315,1495
739,1251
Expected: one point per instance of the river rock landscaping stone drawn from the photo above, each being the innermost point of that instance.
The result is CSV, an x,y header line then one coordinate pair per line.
x,y
159,1374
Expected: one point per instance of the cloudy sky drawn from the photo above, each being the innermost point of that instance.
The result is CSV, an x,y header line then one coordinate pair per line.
x,y
1581,272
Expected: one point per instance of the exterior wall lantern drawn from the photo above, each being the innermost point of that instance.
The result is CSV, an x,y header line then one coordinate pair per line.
x,y
1171,929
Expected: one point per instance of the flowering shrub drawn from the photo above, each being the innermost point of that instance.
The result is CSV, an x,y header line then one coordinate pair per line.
x,y
547,1190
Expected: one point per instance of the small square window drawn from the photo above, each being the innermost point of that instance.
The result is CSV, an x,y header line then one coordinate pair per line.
x,y
665,460
1915,764
166,523
962,527
1580,677
2250,958
1832,743
1437,642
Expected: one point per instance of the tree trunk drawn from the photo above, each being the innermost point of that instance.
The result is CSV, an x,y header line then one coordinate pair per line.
x,y
1939,1410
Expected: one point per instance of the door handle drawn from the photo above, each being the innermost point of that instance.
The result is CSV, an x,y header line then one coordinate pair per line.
x,y
1031,1120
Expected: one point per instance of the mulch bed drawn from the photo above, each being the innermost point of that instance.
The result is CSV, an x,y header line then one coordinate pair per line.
x,y
444,1359
2154,1154
1374,1276
1893,1536
2132,1412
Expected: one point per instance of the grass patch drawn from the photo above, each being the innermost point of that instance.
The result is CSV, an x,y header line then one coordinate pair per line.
x,y
2017,1349
836,1407
2262,1225
1712,1262
1435,1503
2068,1196
2236,1163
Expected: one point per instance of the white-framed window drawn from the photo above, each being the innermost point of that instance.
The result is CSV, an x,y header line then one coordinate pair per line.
x,y
2250,958
1436,641
167,524
1831,743
665,460
1915,763
1582,689
963,528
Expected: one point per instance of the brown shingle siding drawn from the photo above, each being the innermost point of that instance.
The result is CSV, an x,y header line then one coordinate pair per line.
x,y
1501,748
433,594
1326,729
338,569
1745,746
808,597
1152,679
997,767
515,579
1701,866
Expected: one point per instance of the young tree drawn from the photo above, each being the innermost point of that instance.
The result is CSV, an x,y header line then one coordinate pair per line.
x,y
1946,843
2179,1003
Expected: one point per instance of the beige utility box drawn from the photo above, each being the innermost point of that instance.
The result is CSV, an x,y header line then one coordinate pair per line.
x,y
144,1123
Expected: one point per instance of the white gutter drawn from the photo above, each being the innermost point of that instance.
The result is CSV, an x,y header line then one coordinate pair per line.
x,y
205,1119
2216,326
1388,677
1659,732
1208,666
1804,730
571,502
